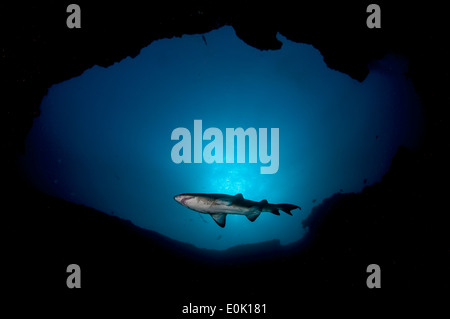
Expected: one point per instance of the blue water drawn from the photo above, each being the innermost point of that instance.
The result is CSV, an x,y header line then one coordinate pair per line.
x,y
104,138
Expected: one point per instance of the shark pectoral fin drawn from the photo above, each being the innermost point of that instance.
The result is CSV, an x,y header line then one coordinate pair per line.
x,y
253,213
219,219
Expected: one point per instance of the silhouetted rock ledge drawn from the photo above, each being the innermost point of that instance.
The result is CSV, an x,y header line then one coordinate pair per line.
x,y
347,232
39,52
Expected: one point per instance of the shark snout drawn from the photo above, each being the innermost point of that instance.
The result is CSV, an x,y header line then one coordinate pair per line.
x,y
178,198
182,198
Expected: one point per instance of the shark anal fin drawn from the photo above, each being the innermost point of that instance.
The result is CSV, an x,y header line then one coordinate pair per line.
x,y
287,208
275,211
219,219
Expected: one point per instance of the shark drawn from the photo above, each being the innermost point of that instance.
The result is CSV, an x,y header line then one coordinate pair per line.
x,y
220,205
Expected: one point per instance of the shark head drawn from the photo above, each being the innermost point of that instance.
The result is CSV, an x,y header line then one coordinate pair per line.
x,y
183,199
195,201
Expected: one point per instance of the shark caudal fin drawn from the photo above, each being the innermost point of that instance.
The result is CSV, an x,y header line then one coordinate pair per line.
x,y
287,208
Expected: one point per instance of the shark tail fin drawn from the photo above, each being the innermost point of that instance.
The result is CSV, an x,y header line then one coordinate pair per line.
x,y
287,208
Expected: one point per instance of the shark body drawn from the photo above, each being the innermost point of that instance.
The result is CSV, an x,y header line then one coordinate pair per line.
x,y
219,205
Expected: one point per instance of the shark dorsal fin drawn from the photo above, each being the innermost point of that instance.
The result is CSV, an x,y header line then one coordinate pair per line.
x,y
264,202
239,196
219,219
